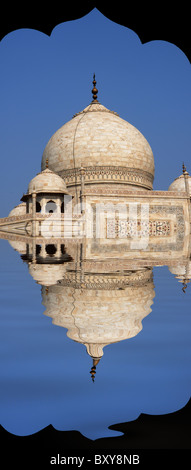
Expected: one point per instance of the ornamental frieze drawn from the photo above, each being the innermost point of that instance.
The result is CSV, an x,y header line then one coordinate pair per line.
x,y
101,174
108,282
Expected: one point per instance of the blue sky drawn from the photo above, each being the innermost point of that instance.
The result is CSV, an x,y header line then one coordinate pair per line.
x,y
45,80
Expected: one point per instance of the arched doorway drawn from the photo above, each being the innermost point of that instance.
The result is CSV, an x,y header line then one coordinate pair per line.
x,y
51,207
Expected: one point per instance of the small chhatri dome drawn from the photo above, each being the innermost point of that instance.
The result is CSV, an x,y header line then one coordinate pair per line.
x,y
46,182
18,210
98,139
182,183
47,274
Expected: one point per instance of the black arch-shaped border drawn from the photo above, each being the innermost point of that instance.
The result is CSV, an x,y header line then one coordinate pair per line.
x,y
151,21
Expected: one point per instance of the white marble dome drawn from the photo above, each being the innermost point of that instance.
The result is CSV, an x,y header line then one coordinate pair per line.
x,y
47,181
18,210
96,317
18,246
179,184
182,270
97,137
47,274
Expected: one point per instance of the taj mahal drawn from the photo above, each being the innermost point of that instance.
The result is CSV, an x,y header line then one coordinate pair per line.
x,y
91,228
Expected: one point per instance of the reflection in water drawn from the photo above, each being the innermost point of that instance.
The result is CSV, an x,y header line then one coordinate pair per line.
x,y
182,271
96,302
107,309
96,308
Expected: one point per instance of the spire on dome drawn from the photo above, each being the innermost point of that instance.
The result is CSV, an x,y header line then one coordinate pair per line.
x,y
94,90
93,369
186,176
184,170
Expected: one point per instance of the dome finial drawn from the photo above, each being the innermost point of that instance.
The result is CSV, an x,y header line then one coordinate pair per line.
x,y
94,90
46,162
183,168
93,369
184,287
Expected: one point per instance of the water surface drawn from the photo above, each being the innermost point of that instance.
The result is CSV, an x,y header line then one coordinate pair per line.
x,y
45,375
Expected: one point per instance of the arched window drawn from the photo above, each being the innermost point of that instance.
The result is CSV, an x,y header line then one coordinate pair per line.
x,y
38,206
38,249
62,207
51,207
63,251
51,249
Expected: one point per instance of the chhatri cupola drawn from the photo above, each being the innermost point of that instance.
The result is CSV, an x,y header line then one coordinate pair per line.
x,y
45,193
182,183
110,150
